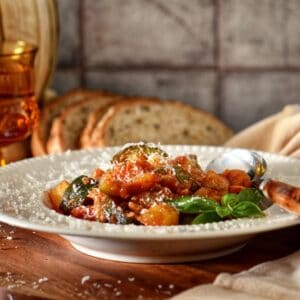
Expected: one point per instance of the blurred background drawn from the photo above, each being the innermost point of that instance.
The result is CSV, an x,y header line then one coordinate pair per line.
x,y
239,59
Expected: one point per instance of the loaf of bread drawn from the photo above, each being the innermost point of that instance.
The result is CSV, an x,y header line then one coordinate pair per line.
x,y
85,119
41,133
67,127
165,122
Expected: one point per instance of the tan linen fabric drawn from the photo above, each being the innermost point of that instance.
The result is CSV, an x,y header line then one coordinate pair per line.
x,y
275,280
279,133
214,292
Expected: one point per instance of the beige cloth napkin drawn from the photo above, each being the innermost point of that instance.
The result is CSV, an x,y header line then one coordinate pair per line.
x,y
273,280
279,133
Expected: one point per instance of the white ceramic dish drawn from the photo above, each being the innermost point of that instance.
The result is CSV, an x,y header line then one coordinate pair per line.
x,y
22,187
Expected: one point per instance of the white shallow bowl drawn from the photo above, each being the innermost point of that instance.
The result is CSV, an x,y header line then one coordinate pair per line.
x,y
22,187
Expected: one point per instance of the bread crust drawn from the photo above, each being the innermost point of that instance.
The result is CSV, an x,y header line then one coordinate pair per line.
x,y
98,135
41,132
85,138
57,142
54,145
98,122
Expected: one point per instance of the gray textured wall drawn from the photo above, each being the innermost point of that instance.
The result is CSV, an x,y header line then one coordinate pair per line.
x,y
239,59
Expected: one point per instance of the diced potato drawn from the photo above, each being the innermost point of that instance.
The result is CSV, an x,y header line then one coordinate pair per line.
x,y
160,215
140,183
113,186
56,194
109,185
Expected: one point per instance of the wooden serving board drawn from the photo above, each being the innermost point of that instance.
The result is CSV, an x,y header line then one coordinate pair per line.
x,y
44,265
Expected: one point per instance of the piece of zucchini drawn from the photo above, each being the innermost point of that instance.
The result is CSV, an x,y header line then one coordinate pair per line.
x,y
76,193
136,151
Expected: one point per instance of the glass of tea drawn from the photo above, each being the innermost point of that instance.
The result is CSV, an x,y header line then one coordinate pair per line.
x,y
18,106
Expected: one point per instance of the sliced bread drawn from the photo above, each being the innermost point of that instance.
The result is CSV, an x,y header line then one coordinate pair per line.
x,y
95,117
91,123
41,133
165,122
67,127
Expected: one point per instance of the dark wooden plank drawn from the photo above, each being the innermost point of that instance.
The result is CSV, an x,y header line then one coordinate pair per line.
x,y
45,265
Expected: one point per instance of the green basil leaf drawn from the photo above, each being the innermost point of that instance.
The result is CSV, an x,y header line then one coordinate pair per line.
x,y
207,217
229,200
223,211
193,204
246,209
251,195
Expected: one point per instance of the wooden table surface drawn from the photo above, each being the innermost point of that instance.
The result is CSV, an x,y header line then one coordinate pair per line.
x,y
39,265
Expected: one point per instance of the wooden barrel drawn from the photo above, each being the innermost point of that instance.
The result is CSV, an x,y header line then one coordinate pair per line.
x,y
36,22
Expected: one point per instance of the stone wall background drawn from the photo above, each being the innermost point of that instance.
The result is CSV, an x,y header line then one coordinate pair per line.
x,y
239,59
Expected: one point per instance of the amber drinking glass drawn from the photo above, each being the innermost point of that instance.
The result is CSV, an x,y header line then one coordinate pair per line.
x,y
18,107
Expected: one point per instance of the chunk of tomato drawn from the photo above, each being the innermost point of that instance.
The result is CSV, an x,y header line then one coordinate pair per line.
x,y
237,177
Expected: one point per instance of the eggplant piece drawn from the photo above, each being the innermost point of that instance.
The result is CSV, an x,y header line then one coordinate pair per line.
x,y
136,151
111,213
76,193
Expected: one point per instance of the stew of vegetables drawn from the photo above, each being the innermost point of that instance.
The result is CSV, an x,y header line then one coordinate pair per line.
x,y
145,186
